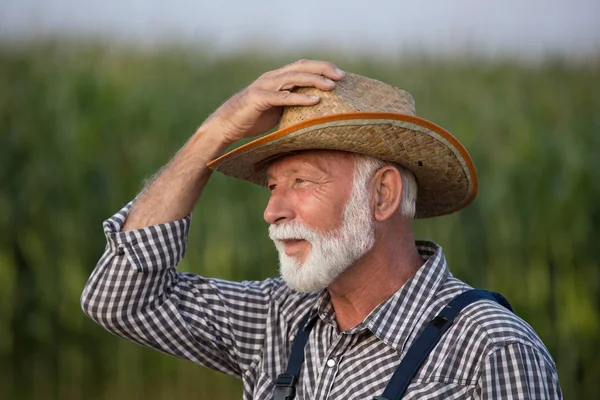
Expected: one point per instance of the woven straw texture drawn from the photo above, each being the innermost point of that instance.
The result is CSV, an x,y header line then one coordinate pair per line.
x,y
354,94
366,116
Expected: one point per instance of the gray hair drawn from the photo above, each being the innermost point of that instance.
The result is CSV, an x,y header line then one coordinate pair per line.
x,y
365,168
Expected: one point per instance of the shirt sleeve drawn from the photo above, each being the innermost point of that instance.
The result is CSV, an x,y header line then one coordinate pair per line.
x,y
518,371
136,292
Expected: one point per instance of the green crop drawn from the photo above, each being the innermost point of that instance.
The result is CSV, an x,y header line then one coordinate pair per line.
x,y
82,127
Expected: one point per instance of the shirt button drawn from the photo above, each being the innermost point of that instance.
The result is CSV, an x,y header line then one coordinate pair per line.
x,y
331,363
121,250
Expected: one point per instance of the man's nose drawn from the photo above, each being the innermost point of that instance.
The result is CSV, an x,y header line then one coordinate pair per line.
x,y
279,208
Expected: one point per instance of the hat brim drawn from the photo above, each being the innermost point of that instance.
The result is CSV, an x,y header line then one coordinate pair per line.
x,y
445,174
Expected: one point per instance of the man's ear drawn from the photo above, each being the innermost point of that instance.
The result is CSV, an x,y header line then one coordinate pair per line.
x,y
387,192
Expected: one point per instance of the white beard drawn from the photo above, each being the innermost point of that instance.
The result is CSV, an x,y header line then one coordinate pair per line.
x,y
331,253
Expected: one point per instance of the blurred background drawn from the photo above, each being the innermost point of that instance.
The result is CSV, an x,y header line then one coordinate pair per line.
x,y
96,96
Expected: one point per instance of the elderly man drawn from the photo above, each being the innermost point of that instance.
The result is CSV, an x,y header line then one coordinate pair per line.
x,y
362,310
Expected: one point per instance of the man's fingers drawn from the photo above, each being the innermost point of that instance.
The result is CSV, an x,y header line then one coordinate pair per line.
x,y
268,99
291,79
324,68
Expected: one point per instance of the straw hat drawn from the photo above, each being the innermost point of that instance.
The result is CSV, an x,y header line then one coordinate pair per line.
x,y
366,116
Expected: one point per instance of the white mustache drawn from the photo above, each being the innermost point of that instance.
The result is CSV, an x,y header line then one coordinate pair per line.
x,y
292,230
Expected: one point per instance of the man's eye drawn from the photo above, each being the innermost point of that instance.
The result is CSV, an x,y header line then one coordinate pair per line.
x,y
298,180
272,187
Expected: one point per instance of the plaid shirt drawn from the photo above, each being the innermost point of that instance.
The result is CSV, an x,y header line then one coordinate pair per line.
x,y
245,329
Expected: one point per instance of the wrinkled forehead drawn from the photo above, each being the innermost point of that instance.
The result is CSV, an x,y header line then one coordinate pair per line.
x,y
325,160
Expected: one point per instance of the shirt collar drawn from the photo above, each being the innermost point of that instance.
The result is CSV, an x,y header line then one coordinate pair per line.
x,y
397,317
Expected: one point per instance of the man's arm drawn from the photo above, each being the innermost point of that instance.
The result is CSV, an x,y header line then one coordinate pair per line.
x,y
135,290
173,192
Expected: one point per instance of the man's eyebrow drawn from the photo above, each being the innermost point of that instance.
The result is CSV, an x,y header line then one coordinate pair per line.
x,y
290,171
287,171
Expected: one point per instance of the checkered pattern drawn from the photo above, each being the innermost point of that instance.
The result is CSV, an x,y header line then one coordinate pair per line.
x,y
245,329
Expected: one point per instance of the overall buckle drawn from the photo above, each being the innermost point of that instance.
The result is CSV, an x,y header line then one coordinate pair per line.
x,y
285,387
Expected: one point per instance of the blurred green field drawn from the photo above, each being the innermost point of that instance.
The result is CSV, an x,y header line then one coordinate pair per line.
x,y
82,126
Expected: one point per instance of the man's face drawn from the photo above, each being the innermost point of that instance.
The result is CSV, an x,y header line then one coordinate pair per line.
x,y
320,222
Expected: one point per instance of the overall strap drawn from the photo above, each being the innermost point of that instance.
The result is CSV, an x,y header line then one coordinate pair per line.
x,y
285,384
426,341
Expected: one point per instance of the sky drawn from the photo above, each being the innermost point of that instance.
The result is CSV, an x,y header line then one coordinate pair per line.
x,y
516,27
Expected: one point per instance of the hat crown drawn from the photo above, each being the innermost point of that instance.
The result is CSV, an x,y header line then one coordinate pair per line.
x,y
354,93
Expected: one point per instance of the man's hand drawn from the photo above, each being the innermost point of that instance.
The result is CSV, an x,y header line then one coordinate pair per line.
x,y
257,108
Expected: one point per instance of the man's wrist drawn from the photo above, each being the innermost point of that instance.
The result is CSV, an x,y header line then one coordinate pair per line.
x,y
215,132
